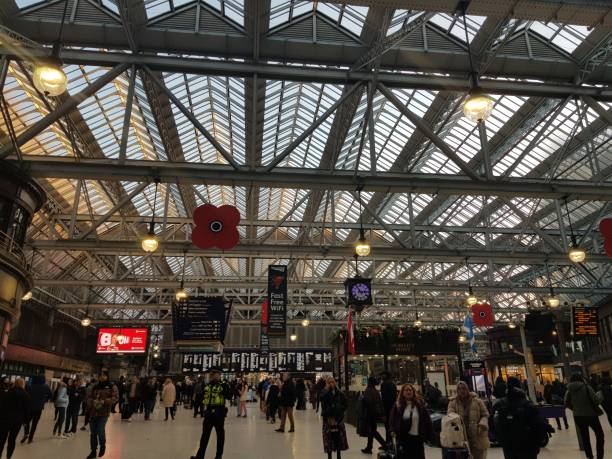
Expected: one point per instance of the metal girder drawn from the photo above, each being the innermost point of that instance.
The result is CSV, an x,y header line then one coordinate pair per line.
x,y
177,248
270,71
296,178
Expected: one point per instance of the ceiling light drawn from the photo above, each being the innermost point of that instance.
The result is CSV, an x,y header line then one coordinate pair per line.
x,y
27,296
418,323
49,77
181,294
471,298
156,355
86,322
150,243
553,301
554,332
362,247
511,325
577,254
305,323
477,107
156,347
293,337
462,339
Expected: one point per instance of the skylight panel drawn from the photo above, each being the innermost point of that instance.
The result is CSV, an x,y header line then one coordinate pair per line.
x,y
21,4
566,37
453,25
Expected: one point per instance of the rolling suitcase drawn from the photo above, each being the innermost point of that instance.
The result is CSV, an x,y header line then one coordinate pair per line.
x,y
455,453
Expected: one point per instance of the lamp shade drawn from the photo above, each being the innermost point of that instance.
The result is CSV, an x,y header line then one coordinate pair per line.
x,y
362,247
553,301
477,107
86,322
150,243
49,77
181,294
577,254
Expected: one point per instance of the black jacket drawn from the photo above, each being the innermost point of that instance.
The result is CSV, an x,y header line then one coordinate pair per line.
x,y
288,394
39,394
14,406
373,403
273,396
388,391
333,404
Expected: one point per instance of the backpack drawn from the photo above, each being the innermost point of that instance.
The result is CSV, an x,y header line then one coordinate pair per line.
x,y
453,434
519,423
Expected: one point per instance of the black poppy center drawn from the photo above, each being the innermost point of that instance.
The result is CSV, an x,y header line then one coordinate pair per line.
x,y
216,226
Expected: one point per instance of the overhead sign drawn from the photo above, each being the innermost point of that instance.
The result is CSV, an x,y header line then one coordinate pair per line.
x,y
122,340
199,320
264,341
585,321
245,361
277,300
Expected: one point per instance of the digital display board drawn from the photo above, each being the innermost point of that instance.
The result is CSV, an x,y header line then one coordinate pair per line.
x,y
199,319
585,321
245,361
122,340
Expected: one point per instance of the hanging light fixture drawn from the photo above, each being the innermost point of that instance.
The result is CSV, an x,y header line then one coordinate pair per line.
x,y
293,336
362,246
552,300
150,242
477,106
27,296
305,323
511,325
576,254
181,294
462,339
49,77
471,299
86,322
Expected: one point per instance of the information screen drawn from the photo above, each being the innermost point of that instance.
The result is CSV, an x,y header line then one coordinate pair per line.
x,y
122,340
585,321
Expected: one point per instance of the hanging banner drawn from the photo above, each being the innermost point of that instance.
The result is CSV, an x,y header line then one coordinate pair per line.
x,y
264,342
277,300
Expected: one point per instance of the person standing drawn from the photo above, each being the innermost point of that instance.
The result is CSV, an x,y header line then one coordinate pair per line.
x,y
149,395
584,403
519,426
99,403
410,424
333,407
198,396
287,402
216,393
499,389
74,404
272,401
242,407
169,398
39,394
300,391
475,418
61,403
388,392
374,412
14,407
132,395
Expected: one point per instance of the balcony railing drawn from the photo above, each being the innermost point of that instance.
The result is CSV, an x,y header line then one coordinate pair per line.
x,y
600,351
12,248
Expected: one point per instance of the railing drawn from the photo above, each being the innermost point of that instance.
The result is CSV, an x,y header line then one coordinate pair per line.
x,y
12,248
601,351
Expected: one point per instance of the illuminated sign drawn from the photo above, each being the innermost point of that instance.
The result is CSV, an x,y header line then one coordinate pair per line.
x,y
122,340
585,321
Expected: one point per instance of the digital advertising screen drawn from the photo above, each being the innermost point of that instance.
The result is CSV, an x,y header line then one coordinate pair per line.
x,y
122,340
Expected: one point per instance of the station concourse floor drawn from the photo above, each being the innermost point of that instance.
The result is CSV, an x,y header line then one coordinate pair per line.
x,y
250,438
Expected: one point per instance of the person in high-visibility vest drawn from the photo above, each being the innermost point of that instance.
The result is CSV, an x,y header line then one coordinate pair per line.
x,y
216,392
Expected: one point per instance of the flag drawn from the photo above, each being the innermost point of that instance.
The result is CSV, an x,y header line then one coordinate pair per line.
x,y
468,328
482,315
350,333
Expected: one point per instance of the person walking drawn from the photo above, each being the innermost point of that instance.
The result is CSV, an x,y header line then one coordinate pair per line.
x,y
333,407
287,402
39,394
243,396
61,404
198,396
149,395
519,426
300,392
410,424
273,401
169,398
584,403
101,399
388,392
74,405
605,389
374,412
14,408
216,393
475,419
88,388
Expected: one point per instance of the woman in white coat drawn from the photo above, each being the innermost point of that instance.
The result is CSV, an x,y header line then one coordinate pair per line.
x,y
169,398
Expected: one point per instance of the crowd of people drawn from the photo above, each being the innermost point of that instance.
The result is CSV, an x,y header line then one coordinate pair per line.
x,y
405,413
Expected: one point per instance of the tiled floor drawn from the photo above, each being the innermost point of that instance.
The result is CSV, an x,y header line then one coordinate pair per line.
x,y
248,438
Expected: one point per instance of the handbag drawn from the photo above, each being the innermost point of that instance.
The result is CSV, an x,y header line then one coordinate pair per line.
x,y
596,407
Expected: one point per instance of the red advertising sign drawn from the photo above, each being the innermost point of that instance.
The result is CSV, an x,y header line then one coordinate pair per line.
x,y
122,340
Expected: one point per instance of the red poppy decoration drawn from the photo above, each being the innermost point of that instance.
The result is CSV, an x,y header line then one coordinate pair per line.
x,y
215,227
482,315
605,228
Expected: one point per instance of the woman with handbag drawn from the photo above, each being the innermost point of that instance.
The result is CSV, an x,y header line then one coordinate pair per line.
x,y
475,418
584,403
333,403
410,424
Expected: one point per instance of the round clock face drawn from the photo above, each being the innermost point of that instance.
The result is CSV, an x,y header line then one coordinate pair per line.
x,y
361,292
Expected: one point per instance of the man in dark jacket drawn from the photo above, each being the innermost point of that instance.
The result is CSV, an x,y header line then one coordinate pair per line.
x,y
374,412
518,424
99,403
14,405
39,394
584,402
499,389
606,392
288,396
388,391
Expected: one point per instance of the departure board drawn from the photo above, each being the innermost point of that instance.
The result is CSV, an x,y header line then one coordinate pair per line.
x,y
585,321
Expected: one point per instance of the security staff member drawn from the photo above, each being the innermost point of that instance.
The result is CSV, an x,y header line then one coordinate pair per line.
x,y
216,393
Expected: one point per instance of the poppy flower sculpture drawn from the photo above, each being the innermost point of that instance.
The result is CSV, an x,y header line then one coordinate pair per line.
x,y
605,228
482,315
216,227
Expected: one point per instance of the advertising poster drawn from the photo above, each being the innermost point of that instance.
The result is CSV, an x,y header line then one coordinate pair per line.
x,y
122,340
277,301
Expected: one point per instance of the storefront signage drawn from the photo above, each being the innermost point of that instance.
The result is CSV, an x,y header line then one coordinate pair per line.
x,y
244,361
122,340
277,300
585,321
412,342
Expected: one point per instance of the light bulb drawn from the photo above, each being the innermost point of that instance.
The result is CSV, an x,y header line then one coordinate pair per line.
x,y
511,325
477,107
577,254
150,243
293,337
305,323
27,296
181,294
156,355
362,247
462,339
553,301
471,299
418,323
49,77
156,347
86,322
